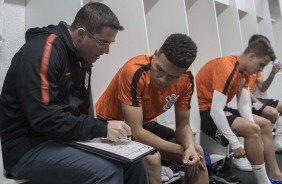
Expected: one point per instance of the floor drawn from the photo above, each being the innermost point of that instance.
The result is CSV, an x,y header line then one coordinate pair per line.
x,y
246,177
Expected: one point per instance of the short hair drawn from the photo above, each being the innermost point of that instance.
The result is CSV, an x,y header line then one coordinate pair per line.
x,y
261,47
93,16
179,49
257,36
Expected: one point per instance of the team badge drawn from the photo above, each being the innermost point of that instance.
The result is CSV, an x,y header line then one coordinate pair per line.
x,y
170,101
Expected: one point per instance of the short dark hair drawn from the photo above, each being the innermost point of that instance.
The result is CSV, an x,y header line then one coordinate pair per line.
x,y
261,47
93,16
180,50
257,36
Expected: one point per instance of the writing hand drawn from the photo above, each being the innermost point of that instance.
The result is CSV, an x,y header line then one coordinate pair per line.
x,y
118,130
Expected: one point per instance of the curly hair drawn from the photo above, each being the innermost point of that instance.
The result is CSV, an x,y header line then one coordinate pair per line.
x,y
179,49
93,16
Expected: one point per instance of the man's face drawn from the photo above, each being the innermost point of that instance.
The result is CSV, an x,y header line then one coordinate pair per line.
x,y
92,46
257,63
164,72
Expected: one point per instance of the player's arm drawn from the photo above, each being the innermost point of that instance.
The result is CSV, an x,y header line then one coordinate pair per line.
x,y
244,104
183,133
219,101
184,136
262,84
254,98
133,116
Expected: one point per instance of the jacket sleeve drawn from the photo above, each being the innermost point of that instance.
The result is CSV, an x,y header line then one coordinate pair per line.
x,y
41,67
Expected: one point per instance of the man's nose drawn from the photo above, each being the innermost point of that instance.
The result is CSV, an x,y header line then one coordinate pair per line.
x,y
106,49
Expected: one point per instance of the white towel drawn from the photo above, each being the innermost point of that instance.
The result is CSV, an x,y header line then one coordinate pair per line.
x,y
2,22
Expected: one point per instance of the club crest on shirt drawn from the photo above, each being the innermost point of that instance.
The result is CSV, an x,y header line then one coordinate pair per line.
x,y
86,79
170,101
243,81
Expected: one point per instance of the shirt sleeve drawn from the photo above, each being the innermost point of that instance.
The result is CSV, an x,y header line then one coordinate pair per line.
x,y
221,76
184,101
131,84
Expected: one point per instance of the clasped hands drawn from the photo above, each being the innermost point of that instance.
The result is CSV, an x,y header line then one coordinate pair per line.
x,y
192,161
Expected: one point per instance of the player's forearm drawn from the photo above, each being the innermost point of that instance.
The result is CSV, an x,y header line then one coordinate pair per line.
x,y
222,125
184,136
217,113
169,150
265,85
244,106
254,99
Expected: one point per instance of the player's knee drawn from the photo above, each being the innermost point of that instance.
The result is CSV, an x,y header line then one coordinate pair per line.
x,y
153,161
254,131
271,114
274,115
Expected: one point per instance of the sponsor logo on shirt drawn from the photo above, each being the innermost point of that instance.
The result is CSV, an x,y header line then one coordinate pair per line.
x,y
170,101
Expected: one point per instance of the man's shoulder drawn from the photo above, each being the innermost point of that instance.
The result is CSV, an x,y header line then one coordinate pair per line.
x,y
189,75
138,64
139,60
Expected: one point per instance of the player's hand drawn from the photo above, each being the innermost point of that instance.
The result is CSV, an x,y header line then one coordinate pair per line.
x,y
118,130
191,161
239,153
257,105
276,68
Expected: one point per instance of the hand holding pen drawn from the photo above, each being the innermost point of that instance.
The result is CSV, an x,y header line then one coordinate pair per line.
x,y
118,131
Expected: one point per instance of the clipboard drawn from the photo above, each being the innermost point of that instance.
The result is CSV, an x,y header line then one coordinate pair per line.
x,y
122,151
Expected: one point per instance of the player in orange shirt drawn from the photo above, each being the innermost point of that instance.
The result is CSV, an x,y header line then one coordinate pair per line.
x,y
269,108
145,87
218,81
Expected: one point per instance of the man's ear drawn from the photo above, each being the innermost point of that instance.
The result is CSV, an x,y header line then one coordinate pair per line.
x,y
80,33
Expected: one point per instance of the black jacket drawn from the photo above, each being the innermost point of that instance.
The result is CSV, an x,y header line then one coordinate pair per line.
x,y
46,95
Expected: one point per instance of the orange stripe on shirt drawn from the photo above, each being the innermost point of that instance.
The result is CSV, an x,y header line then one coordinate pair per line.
x,y
44,68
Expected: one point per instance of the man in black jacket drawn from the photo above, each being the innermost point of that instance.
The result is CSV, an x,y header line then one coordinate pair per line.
x,y
45,102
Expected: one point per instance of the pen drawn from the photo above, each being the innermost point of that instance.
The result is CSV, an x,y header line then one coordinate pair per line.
x,y
128,139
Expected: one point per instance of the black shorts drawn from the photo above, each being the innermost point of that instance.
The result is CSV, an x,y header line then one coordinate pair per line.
x,y
208,126
266,102
160,130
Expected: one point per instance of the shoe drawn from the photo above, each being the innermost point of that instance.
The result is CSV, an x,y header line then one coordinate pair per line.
x,y
242,164
275,182
164,178
224,175
181,170
166,171
278,135
278,142
174,168
211,180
